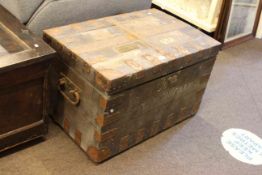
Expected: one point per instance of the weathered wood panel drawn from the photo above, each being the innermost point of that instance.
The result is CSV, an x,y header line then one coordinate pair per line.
x,y
146,109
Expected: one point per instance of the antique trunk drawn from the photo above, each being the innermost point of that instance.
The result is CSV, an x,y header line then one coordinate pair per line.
x,y
120,80
24,60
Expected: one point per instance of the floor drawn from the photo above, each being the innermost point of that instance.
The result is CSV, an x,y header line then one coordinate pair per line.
x,y
233,100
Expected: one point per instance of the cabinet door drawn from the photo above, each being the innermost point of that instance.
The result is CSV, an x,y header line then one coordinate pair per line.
x,y
242,19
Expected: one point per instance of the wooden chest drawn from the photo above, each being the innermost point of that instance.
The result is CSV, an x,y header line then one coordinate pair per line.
x,y
120,80
24,60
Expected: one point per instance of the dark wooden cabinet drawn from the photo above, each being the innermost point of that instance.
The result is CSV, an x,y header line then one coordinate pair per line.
x,y
24,62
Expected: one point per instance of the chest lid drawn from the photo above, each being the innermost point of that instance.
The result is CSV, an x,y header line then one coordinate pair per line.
x,y
119,52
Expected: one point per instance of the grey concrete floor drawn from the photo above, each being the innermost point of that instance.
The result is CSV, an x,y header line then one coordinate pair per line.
x,y
233,100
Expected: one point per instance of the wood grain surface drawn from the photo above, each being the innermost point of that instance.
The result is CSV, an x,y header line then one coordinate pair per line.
x,y
114,50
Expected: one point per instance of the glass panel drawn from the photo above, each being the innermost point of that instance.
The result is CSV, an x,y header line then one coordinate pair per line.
x,y
9,43
2,51
242,18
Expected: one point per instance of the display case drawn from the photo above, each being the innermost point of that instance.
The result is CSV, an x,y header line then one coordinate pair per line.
x,y
242,19
238,21
24,65
202,13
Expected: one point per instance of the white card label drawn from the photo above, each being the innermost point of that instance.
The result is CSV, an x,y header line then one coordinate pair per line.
x,y
243,145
